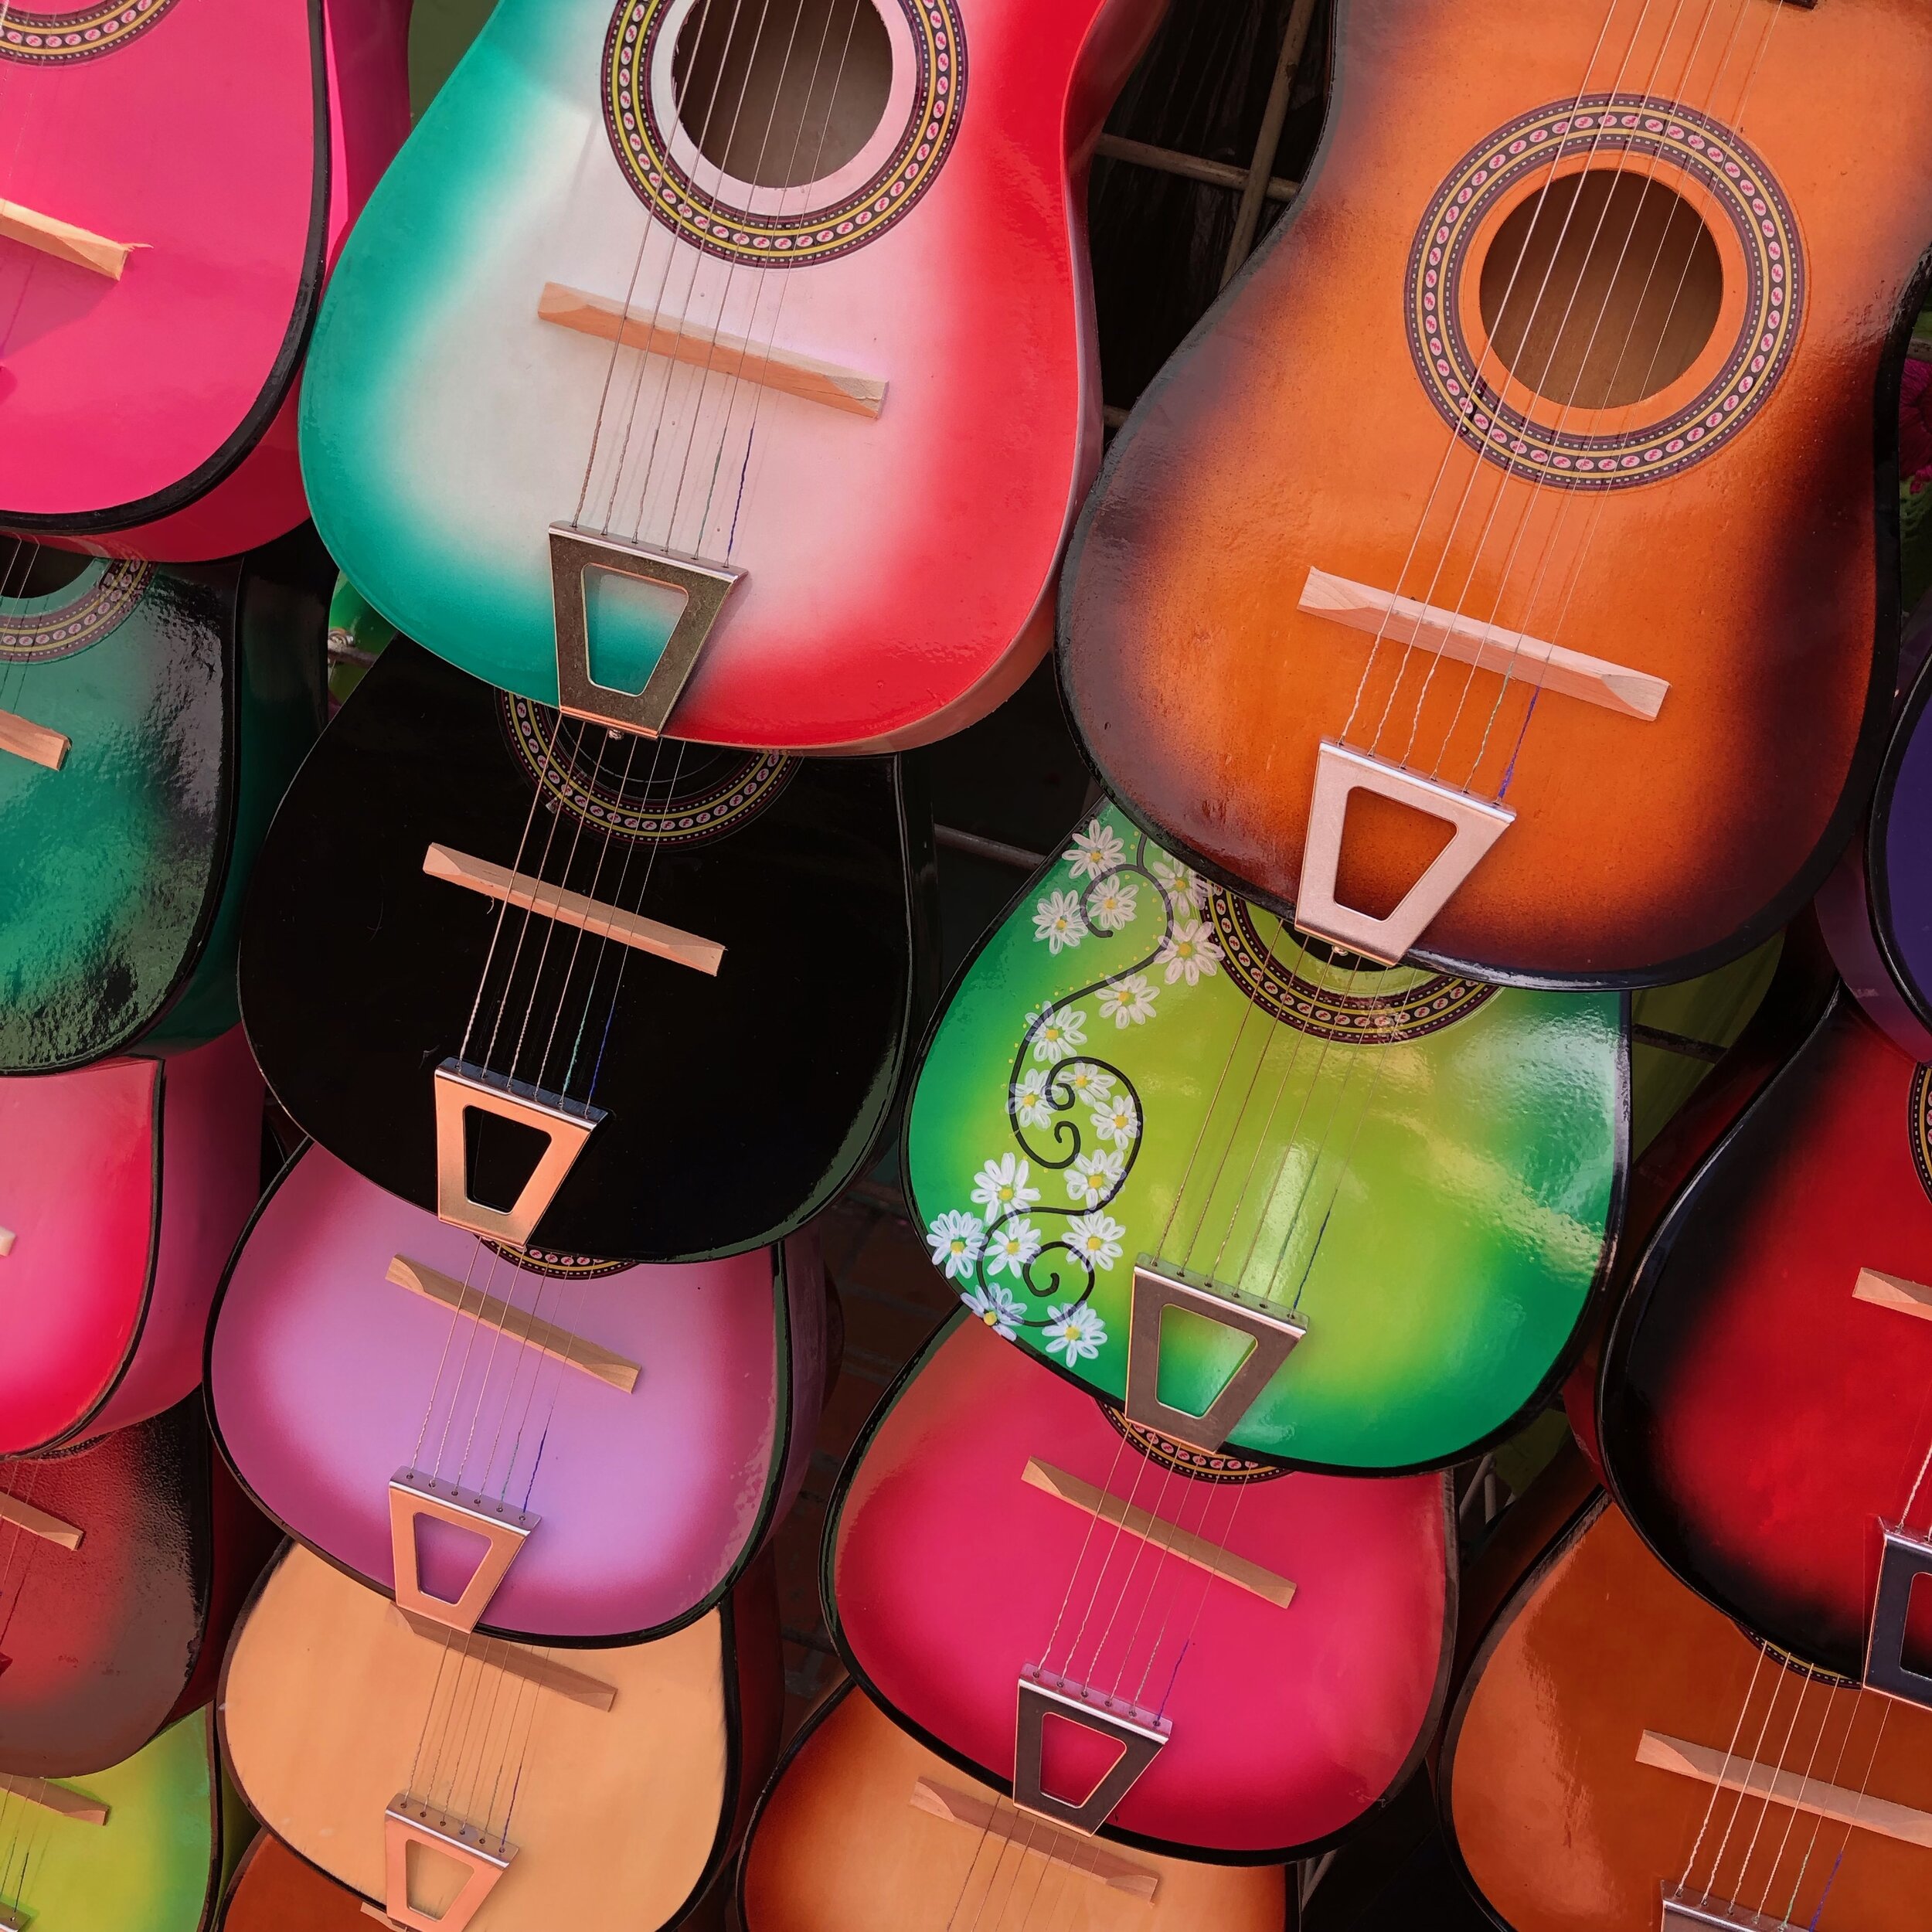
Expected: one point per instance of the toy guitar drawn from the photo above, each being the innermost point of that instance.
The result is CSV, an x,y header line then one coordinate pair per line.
x,y
1764,1406
150,717
1001,1543
1622,1755
593,949
1495,575
625,1438
136,1845
601,1788
648,275
122,1187
159,271
122,1565
272,1890
1144,1095
864,1830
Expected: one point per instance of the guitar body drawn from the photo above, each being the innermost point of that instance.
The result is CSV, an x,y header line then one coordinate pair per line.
x,y
625,1807
1898,872
1272,1099
651,1502
155,1865
124,1186
1682,491
1760,1412
188,696
845,1840
272,1890
153,414
948,1570
934,243
753,852
1561,1826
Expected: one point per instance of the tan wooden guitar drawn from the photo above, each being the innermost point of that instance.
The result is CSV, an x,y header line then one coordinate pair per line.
x,y
864,1830
463,1782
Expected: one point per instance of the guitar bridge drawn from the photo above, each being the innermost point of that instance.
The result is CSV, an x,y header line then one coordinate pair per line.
x,y
1683,1913
462,1089
485,1855
1141,1734
704,586
1906,1559
412,1497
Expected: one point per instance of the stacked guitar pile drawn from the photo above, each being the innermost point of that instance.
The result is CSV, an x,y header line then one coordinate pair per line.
x,y
416,1122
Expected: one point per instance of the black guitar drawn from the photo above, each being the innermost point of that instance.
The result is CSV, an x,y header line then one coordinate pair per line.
x,y
611,995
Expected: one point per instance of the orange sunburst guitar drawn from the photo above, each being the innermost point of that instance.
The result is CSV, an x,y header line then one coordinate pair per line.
x,y
1505,570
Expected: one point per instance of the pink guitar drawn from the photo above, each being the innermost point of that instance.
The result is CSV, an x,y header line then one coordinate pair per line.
x,y
176,177
123,1187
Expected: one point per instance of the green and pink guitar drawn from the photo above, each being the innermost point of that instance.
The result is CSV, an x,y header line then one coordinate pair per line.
x,y
1276,1199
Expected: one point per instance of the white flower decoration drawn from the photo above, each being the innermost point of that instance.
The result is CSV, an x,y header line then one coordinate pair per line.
x,y
998,1307
1182,884
1096,1239
1057,918
1076,1332
1001,1186
1188,950
1117,1121
1087,1082
1111,906
1094,1177
1061,1032
1010,1246
1129,1001
1031,1106
956,1240
1094,851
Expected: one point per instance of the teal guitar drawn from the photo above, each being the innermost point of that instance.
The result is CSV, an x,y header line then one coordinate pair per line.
x,y
151,716
1327,1214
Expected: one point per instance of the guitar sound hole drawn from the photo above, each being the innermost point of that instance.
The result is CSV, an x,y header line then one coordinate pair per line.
x,y
37,570
1603,292
783,92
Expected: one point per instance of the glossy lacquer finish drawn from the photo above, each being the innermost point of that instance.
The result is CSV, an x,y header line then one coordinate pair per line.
x,y
154,416
737,1104
125,1186
1561,1829
1305,425
445,428
1759,1418
324,1378
274,1890
188,696
839,1845
154,1866
947,1573
624,1809
1135,1063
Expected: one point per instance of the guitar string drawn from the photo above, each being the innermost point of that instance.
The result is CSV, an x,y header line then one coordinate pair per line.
x,y
1793,1813
1804,1678
1597,510
1865,1784
1740,1796
1730,1754
1853,1703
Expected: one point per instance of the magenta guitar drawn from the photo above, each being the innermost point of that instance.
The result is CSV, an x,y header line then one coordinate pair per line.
x,y
1238,1663
545,1447
175,178
123,1186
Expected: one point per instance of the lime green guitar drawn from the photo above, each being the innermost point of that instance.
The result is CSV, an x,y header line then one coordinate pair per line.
x,y
1279,1200
137,1848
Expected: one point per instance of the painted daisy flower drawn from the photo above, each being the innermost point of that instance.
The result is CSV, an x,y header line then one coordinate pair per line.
x,y
1129,1001
1094,851
1096,1239
1092,1176
1060,1031
1000,1187
1087,1082
1184,887
1110,907
1057,918
1076,1332
1188,950
1010,1246
998,1307
1117,1120
956,1240
1031,1105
